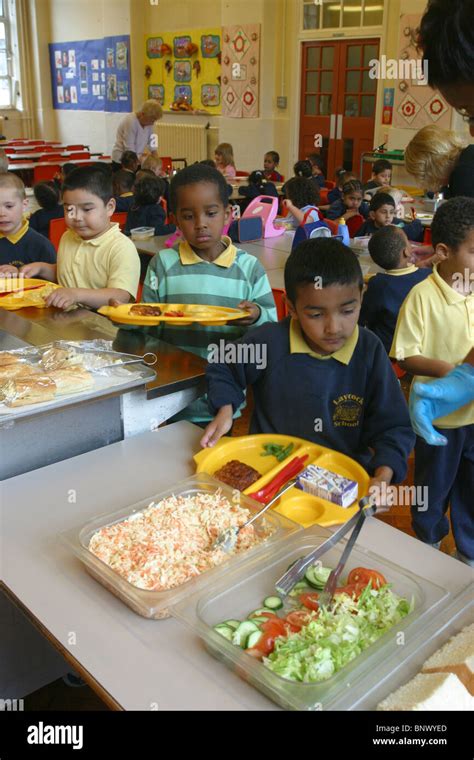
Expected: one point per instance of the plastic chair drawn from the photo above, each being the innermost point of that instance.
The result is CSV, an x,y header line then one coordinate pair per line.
x,y
242,174
167,164
280,303
52,157
399,372
45,173
78,156
427,236
329,184
57,228
75,147
333,226
354,224
121,218
266,207
323,197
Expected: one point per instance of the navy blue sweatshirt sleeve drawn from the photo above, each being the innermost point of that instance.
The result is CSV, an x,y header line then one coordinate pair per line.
x,y
387,427
336,210
226,382
370,304
156,218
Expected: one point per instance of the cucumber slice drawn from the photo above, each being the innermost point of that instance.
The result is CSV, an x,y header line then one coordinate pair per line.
x,y
258,613
259,620
300,588
234,624
224,631
273,603
242,633
317,576
253,639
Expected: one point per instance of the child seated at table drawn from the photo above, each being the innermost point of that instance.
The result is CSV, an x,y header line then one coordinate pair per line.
x,y
381,175
382,213
19,244
340,178
350,203
47,197
317,169
414,229
130,161
206,268
325,379
154,164
386,291
225,163
302,197
96,262
257,185
271,161
145,210
123,184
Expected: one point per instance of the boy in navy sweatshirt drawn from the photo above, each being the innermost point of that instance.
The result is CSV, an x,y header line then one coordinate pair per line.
x,y
390,249
323,378
382,213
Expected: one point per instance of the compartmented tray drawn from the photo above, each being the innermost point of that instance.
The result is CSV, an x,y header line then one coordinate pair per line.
x,y
297,505
31,292
155,604
241,589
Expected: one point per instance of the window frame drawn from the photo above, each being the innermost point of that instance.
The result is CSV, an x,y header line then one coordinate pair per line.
x,y
10,76
339,30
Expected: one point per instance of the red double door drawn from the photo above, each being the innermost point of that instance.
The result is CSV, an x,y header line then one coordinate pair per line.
x,y
338,102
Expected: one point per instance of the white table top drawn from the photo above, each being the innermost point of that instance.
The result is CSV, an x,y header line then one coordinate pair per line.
x,y
25,165
137,661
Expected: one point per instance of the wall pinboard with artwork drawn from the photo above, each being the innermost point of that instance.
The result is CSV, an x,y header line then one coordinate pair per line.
x,y
241,71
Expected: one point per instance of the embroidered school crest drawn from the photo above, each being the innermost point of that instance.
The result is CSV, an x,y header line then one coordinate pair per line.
x,y
347,411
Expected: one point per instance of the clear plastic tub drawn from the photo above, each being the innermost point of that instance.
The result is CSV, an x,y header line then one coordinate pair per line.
x,y
154,604
241,589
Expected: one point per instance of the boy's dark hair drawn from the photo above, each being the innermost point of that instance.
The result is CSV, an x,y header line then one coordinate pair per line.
x,y
316,160
353,186
89,178
324,258
453,221
207,162
257,178
274,156
381,166
381,199
302,192
386,246
124,180
149,190
129,158
303,169
68,168
446,39
194,174
47,195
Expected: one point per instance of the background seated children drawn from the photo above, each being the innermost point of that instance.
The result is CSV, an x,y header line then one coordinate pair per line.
x,y
386,291
257,185
340,178
302,197
381,175
350,203
123,184
65,169
413,229
130,162
271,161
146,210
381,213
317,168
3,161
320,367
96,262
206,268
154,164
19,244
224,158
433,336
47,196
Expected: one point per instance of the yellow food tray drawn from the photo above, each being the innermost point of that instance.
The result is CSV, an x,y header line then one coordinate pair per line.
x,y
297,505
200,313
15,295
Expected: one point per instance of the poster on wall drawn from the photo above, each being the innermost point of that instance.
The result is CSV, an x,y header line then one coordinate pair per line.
x,y
241,71
183,70
91,75
416,104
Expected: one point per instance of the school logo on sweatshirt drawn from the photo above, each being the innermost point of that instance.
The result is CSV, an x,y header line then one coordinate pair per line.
x,y
347,411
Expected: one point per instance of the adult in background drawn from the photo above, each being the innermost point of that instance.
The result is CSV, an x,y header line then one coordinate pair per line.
x,y
441,160
135,132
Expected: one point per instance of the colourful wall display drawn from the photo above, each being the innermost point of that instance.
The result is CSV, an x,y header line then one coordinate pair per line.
x,y
91,75
241,71
185,68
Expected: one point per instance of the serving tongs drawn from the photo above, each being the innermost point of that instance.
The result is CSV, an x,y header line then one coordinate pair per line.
x,y
134,358
293,575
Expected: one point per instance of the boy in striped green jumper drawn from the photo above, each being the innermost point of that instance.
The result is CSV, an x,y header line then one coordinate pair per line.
x,y
206,269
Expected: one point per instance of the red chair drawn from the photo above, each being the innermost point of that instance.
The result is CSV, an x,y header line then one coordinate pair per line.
x,y
329,184
52,157
57,228
323,197
45,173
78,156
280,303
167,164
427,236
75,147
333,226
242,174
399,372
121,218
354,224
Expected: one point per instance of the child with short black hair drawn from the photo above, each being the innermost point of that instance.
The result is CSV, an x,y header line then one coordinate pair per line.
x,y
341,178
317,169
130,161
271,161
381,213
350,203
257,185
47,196
123,184
381,174
145,210
342,374
434,335
302,197
96,262
303,169
389,247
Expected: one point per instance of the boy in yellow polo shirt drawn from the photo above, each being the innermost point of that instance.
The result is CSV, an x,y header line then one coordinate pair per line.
x,y
435,331
96,262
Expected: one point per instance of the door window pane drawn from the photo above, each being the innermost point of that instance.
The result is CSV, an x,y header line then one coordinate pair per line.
x,y
331,15
348,155
368,105
2,9
326,81
3,64
328,58
373,12
3,42
325,105
368,84
352,13
312,81
310,16
371,52
351,106
5,97
352,81
310,105
313,57
353,56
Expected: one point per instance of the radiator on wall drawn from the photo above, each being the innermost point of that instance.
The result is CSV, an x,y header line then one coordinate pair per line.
x,y
187,141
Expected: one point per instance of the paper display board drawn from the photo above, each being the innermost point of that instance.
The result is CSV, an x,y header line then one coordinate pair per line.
x,y
241,71
91,75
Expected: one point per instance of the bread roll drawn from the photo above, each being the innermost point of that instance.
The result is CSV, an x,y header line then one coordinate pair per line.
x,y
6,358
21,392
60,358
21,369
71,380
430,691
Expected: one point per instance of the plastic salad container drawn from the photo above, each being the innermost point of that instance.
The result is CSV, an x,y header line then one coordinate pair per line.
x,y
155,604
142,233
241,589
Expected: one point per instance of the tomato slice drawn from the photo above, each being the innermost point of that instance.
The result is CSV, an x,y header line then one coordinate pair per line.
x,y
310,601
365,576
266,644
275,627
298,619
254,652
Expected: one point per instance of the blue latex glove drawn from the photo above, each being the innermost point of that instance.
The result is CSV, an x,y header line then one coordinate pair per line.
x,y
437,398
